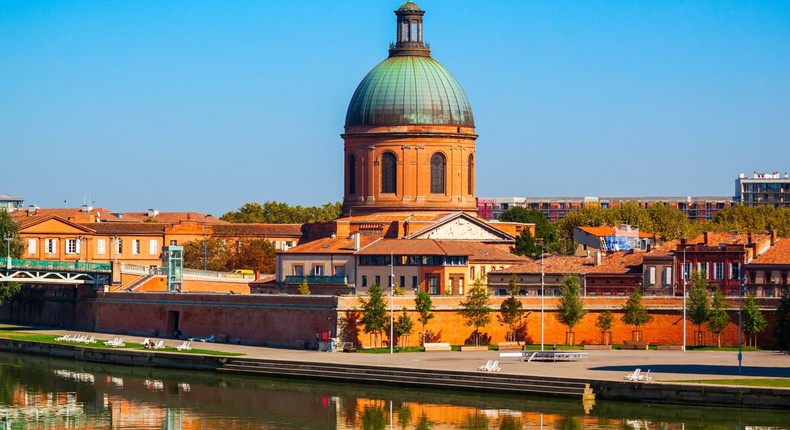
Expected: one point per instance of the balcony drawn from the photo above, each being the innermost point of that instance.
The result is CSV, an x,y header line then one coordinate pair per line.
x,y
296,279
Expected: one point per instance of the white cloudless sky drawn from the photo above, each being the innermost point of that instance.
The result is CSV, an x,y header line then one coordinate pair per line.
x,y
203,106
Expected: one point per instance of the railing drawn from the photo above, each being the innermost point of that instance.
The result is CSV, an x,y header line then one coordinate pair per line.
x,y
162,271
295,279
74,266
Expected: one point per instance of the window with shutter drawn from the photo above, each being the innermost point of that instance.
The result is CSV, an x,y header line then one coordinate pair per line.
x,y
101,247
153,249
31,247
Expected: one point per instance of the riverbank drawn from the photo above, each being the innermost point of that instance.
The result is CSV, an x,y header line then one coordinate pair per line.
x,y
603,371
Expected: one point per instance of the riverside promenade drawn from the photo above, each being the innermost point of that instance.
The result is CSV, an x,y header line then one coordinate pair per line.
x,y
606,365
675,374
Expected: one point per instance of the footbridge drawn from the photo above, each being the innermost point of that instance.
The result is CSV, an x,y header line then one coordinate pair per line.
x,y
54,272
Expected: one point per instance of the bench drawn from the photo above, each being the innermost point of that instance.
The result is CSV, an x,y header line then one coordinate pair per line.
x,y
633,344
466,348
509,345
437,346
669,347
594,347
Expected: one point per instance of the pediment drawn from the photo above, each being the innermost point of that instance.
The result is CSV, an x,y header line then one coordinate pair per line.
x,y
461,226
54,225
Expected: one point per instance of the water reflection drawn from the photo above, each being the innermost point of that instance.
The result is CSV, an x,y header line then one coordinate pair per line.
x,y
37,392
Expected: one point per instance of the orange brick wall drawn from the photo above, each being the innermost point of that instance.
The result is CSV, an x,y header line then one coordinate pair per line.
x,y
665,328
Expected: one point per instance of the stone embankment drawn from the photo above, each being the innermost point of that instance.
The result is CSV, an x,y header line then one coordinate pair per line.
x,y
426,375
428,378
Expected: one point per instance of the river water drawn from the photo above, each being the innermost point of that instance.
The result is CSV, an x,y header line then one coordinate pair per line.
x,y
39,392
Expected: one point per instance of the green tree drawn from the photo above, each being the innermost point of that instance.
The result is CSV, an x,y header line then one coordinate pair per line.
x,y
753,320
374,312
526,245
510,312
304,289
9,229
698,304
782,325
255,254
635,312
272,212
667,222
423,304
632,214
475,308
403,326
604,323
544,231
214,252
570,310
719,318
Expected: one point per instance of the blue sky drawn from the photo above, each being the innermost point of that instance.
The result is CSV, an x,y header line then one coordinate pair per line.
x,y
203,106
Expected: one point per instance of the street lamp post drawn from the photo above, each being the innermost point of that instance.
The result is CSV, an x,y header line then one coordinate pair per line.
x,y
392,302
683,274
741,287
8,238
542,295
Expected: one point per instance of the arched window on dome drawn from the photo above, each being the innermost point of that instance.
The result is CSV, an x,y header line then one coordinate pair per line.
x,y
470,173
389,173
352,174
437,173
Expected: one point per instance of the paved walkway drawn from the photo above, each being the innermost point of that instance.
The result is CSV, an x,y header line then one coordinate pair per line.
x,y
601,364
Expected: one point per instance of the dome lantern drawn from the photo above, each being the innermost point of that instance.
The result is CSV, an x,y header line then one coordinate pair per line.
x,y
409,32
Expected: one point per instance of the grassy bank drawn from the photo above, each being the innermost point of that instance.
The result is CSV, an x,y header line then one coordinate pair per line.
x,y
17,333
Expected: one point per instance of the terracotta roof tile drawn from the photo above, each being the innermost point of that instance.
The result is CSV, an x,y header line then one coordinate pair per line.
x,y
777,254
731,238
552,264
173,217
329,245
266,230
599,231
616,263
125,227
665,249
71,214
476,251
620,262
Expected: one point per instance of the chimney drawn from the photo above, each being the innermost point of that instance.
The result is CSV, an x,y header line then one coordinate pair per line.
x,y
705,238
598,258
773,237
749,238
152,213
86,208
355,236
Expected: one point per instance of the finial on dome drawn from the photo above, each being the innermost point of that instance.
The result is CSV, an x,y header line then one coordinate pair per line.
x,y
409,32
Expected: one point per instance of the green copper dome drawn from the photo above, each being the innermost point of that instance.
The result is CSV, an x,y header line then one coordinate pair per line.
x,y
409,5
409,89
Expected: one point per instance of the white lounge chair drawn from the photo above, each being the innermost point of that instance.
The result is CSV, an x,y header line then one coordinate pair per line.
x,y
91,339
184,346
79,338
633,376
159,345
64,338
495,367
118,341
146,342
486,366
646,377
